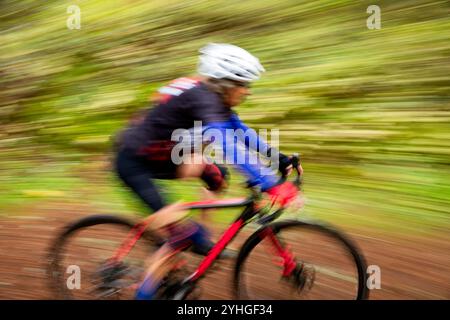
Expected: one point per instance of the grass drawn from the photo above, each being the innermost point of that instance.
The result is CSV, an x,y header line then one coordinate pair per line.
x,y
346,196
367,109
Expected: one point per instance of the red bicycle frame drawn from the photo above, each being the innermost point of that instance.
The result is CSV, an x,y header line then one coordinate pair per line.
x,y
250,211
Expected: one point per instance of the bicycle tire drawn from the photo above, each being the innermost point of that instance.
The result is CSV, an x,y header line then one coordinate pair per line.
x,y
56,249
277,227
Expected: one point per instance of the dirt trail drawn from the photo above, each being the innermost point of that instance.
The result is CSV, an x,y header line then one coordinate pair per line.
x,y
411,268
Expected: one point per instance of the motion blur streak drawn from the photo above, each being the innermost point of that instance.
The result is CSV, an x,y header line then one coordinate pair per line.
x,y
368,110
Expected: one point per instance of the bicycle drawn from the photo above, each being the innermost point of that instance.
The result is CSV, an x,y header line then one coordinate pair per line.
x,y
118,275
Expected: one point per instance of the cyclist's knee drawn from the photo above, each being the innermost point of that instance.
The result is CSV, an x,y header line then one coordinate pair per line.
x,y
193,165
215,176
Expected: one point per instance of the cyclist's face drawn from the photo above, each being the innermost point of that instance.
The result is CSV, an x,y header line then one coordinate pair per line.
x,y
237,95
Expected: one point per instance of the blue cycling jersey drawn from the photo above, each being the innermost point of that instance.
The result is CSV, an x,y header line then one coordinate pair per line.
x,y
187,100
236,148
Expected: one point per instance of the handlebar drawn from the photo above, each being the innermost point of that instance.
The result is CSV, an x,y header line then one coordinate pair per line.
x,y
263,219
295,159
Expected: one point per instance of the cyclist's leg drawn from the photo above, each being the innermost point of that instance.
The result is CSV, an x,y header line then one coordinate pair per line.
x,y
215,178
136,174
193,166
159,264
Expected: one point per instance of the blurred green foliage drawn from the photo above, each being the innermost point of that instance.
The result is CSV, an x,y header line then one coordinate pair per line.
x,y
368,109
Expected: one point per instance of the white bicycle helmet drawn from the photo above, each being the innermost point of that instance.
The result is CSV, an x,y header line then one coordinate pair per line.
x,y
226,61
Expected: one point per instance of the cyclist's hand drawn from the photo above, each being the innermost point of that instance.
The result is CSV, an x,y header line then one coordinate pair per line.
x,y
283,194
285,165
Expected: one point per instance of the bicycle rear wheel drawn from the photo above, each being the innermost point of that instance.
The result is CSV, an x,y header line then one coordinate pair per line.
x,y
79,260
325,264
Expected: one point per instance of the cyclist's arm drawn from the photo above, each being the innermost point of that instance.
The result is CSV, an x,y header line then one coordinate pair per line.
x,y
252,139
256,173
260,145
208,108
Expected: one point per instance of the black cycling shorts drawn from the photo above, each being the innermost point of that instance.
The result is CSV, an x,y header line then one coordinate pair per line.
x,y
138,172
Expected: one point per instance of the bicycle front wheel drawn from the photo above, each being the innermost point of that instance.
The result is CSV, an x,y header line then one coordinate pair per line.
x,y
323,264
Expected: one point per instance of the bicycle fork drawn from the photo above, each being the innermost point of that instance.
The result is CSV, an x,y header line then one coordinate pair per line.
x,y
289,264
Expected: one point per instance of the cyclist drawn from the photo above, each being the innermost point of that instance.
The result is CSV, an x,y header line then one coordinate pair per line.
x,y
145,148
